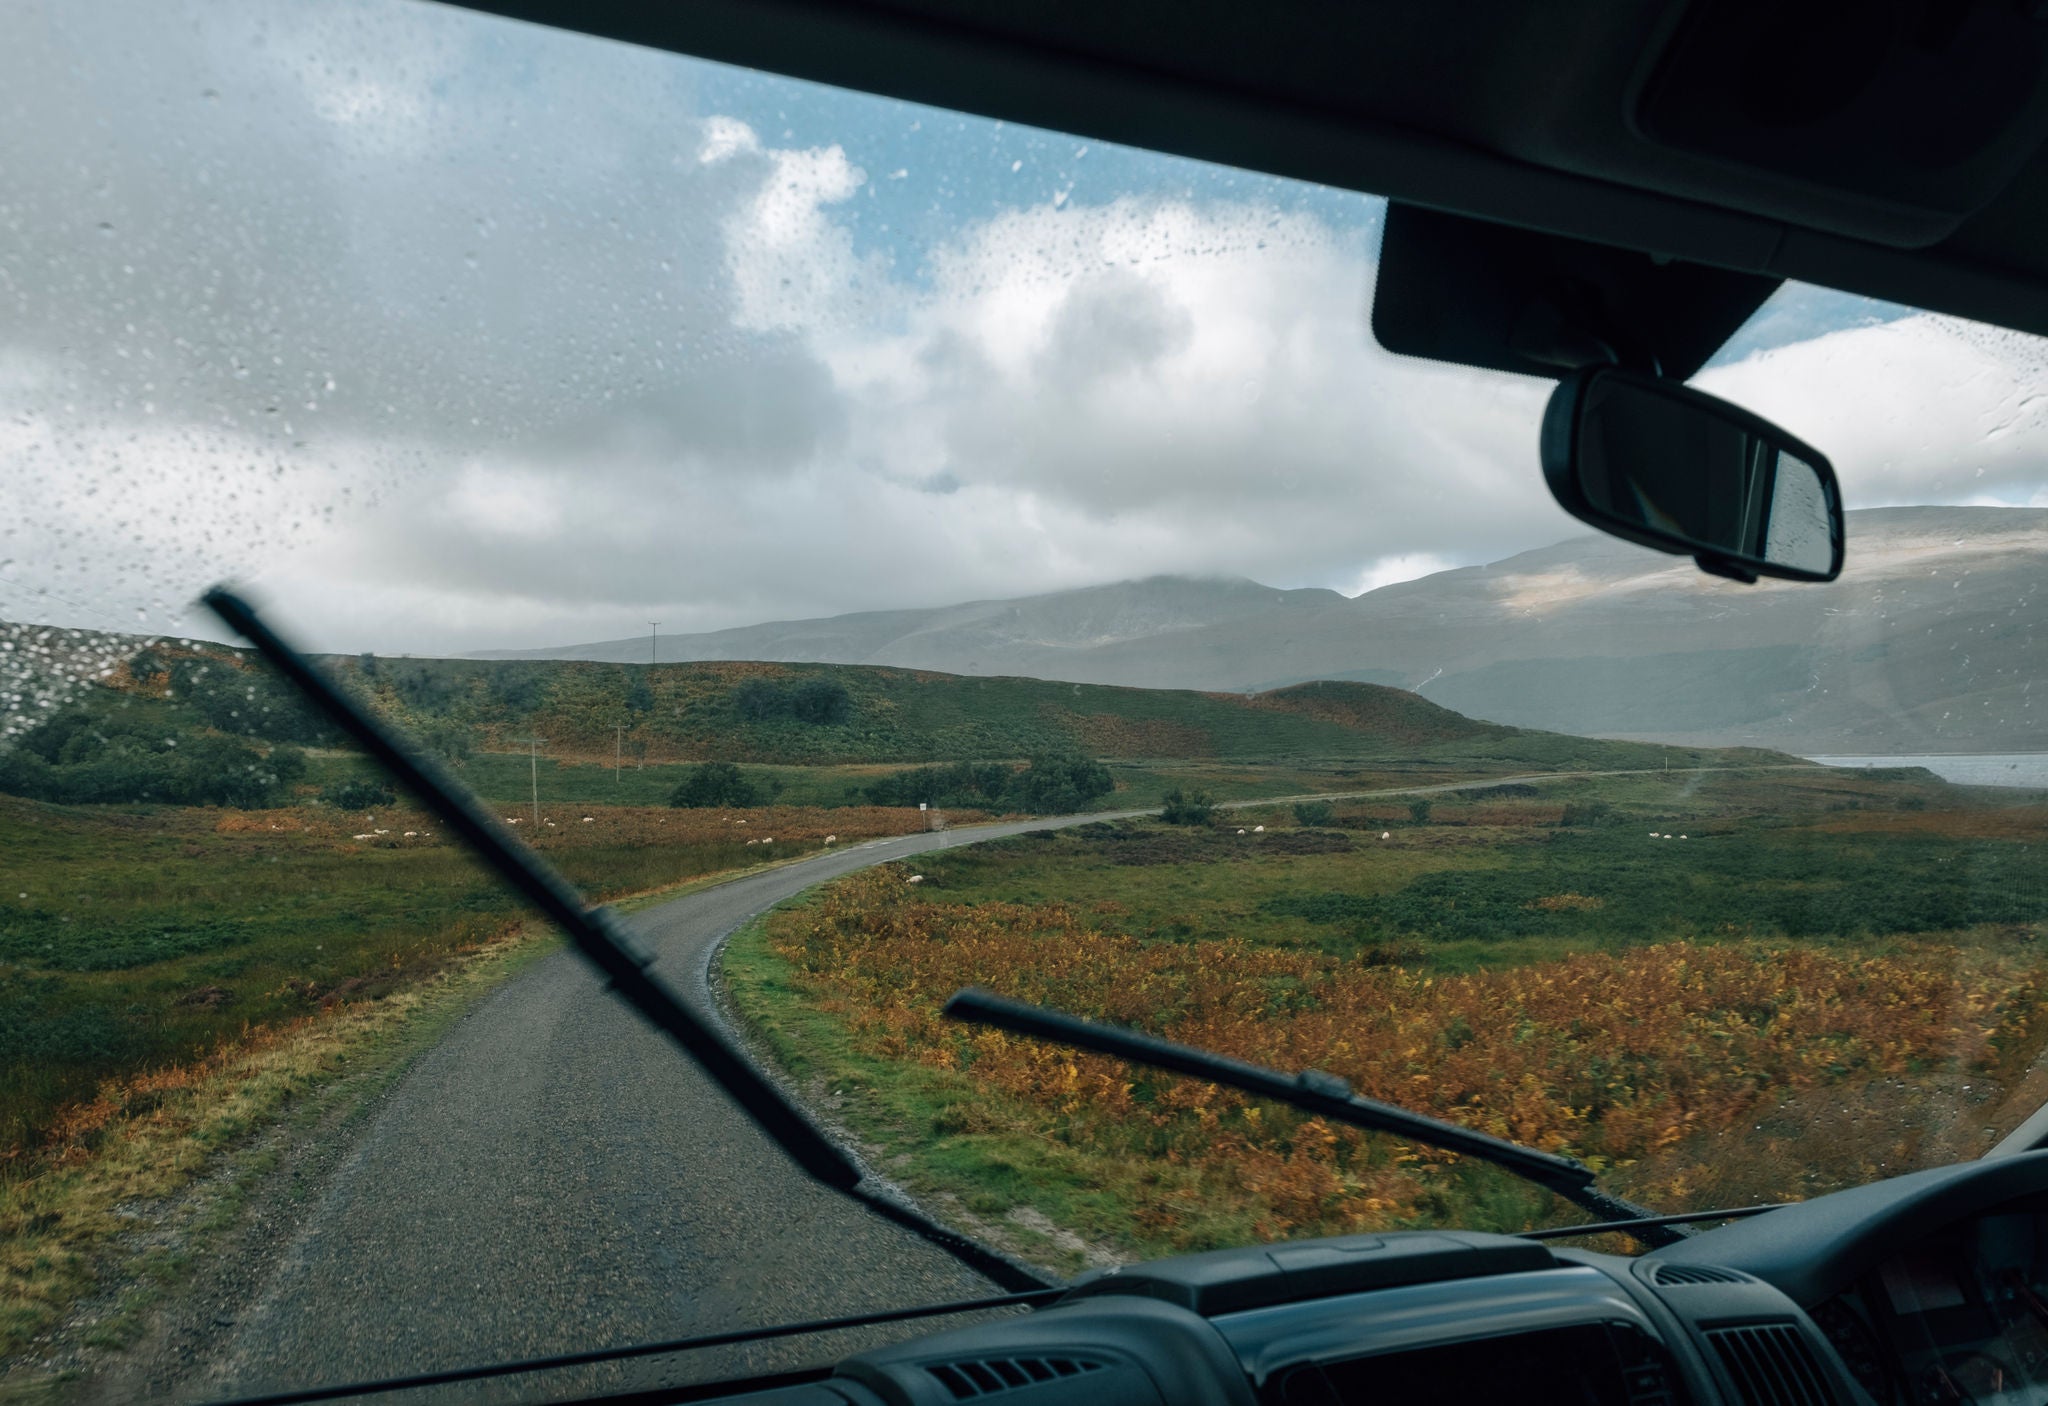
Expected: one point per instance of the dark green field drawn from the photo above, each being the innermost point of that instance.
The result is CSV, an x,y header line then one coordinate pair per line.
x,y
132,939
1499,879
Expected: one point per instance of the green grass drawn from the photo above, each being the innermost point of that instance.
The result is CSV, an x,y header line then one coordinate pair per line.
x,y
1498,881
132,939
1875,864
928,1121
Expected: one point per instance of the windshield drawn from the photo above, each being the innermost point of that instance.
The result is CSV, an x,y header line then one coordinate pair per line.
x,y
881,552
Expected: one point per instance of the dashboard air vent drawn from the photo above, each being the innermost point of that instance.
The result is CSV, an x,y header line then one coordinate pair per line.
x,y
1696,1274
974,1377
1772,1364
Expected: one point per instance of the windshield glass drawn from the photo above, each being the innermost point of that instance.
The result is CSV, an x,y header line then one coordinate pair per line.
x,y
884,551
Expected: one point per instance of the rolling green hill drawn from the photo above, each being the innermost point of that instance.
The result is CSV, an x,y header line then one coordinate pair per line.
x,y
799,715
755,712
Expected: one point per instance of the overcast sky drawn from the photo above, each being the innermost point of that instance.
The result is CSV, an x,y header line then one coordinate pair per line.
x,y
449,333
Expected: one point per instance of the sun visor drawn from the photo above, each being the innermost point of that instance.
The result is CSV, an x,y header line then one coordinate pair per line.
x,y
1474,293
1931,105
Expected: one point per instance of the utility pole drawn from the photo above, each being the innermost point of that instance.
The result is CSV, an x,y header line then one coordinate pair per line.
x,y
618,755
533,766
654,641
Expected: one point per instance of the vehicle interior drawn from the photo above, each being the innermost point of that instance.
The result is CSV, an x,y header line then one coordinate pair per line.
x,y
1595,193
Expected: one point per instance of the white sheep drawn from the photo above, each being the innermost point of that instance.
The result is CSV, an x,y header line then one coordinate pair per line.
x,y
739,822
1258,829
1681,837
1386,834
753,842
511,820
831,839
914,879
769,840
412,834
1240,832
366,837
588,818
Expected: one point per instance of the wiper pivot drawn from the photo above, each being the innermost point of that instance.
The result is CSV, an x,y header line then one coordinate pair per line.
x,y
1313,1091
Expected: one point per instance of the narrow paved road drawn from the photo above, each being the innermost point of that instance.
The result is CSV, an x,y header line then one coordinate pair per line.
x,y
554,1176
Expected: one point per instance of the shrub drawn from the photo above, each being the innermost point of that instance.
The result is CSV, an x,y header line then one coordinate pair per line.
x,y
1180,807
1313,812
1419,809
358,793
713,784
287,764
818,702
120,757
1050,785
1054,785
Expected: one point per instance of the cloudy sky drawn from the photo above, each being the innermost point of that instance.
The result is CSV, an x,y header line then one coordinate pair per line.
x,y
447,333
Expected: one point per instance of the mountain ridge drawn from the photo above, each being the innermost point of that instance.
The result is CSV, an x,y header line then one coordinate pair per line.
x,y
1925,644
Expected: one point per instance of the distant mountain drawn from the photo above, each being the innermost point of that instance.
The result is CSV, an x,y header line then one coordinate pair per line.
x,y
1927,643
1032,637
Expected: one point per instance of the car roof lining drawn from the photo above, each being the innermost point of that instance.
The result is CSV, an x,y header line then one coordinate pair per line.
x,y
1155,76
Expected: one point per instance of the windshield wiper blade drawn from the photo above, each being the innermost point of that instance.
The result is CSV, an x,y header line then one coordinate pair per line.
x,y
606,945
1034,1298
1315,1092
1630,1227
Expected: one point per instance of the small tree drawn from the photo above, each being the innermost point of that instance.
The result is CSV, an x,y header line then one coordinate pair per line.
x,y
1418,810
1187,807
1312,812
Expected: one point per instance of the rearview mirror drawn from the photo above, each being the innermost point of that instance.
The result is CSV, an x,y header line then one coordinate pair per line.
x,y
1658,463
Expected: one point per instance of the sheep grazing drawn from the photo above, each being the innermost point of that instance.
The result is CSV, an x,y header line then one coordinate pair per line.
x,y
511,820
412,834
914,879
769,840
1386,834
588,818
365,837
831,839
1240,832
1258,829
1681,837
753,842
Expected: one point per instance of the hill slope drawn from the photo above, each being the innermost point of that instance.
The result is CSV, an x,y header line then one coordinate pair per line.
x,y
1927,643
819,713
1031,636
792,714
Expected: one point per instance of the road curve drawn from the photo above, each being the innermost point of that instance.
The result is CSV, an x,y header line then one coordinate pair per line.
x,y
555,1176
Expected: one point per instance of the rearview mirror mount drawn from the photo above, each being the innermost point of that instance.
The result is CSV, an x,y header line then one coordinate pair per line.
x,y
1657,463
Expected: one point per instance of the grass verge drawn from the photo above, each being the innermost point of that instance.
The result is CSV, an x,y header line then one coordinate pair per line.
x,y
161,1163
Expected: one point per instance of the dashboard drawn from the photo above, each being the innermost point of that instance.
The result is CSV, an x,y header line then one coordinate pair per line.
x,y
1925,1290
1958,1316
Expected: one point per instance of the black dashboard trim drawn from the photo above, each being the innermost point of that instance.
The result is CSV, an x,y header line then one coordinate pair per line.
x,y
1815,1250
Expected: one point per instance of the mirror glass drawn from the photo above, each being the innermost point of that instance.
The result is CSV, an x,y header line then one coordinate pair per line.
x,y
1661,464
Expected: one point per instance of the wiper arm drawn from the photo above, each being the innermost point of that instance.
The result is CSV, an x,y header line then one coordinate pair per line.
x,y
607,946
1315,1092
